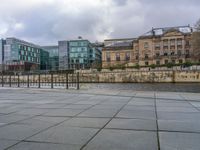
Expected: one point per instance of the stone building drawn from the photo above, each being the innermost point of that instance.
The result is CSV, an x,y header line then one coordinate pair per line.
x,y
165,45
117,52
160,46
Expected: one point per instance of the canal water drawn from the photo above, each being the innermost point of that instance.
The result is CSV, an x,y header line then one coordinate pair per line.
x,y
168,87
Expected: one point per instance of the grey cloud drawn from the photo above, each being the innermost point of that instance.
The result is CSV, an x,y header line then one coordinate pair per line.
x,y
46,24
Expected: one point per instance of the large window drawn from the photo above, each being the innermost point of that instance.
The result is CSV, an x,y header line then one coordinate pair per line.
x,y
108,56
146,45
127,57
117,55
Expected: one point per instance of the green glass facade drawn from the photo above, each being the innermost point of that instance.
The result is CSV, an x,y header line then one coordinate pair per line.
x,y
44,60
53,57
20,55
82,54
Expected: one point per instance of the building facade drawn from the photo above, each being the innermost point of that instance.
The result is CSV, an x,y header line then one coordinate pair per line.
x,y
83,54
53,57
117,52
19,55
160,46
63,53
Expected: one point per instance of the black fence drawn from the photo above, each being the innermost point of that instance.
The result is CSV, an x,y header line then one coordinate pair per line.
x,y
41,80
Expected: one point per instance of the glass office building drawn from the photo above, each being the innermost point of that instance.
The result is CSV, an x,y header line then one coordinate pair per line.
x,y
83,54
63,52
53,57
19,55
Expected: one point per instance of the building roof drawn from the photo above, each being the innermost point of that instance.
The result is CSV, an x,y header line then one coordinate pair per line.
x,y
22,41
119,42
161,31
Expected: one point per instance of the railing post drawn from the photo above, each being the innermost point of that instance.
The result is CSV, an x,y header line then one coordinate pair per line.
x,y
52,80
28,80
67,82
78,87
39,80
2,82
10,80
17,80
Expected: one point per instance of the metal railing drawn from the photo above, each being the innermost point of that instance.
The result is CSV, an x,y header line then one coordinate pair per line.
x,y
41,80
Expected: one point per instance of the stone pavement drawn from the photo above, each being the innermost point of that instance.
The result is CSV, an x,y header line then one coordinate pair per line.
x,y
32,119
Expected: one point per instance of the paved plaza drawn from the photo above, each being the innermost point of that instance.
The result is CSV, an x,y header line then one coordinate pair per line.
x,y
32,119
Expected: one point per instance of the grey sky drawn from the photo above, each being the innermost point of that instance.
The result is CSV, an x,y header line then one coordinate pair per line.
x,y
47,21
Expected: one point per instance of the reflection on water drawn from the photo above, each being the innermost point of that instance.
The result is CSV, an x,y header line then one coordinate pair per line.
x,y
168,87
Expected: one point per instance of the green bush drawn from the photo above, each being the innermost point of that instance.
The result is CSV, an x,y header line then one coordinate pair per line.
x,y
137,66
153,66
187,64
169,65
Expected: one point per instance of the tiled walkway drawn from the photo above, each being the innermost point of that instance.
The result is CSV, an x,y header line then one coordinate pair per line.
x,y
32,119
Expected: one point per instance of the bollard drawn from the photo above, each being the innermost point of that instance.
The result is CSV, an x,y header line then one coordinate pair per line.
x,y
39,80
67,83
10,80
2,80
28,80
18,80
78,87
52,80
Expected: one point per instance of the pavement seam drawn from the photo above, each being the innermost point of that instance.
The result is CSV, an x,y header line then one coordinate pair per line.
x,y
157,132
105,124
24,140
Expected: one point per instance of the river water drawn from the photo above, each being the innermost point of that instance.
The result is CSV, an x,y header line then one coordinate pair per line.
x,y
168,87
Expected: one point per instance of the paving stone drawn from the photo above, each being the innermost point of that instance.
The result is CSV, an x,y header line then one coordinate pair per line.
x,y
179,141
6,143
135,114
123,140
20,131
178,116
11,118
78,106
65,135
63,112
98,113
179,125
136,124
86,122
177,109
43,146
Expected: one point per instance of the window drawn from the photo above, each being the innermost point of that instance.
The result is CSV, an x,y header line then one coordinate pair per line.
x,y
127,56
146,45
165,43
179,52
117,57
172,42
157,62
187,43
166,61
180,61
172,53
165,54
136,57
146,56
179,42
157,54
173,61
146,63
108,56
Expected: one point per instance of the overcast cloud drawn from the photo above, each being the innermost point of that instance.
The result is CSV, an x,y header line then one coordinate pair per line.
x,y
47,21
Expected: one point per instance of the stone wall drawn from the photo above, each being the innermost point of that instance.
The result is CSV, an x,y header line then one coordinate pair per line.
x,y
124,76
117,76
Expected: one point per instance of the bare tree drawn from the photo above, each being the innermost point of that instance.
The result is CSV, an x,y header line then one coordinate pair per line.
x,y
196,41
197,26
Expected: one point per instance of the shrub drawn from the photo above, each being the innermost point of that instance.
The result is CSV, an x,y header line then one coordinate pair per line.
x,y
169,65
